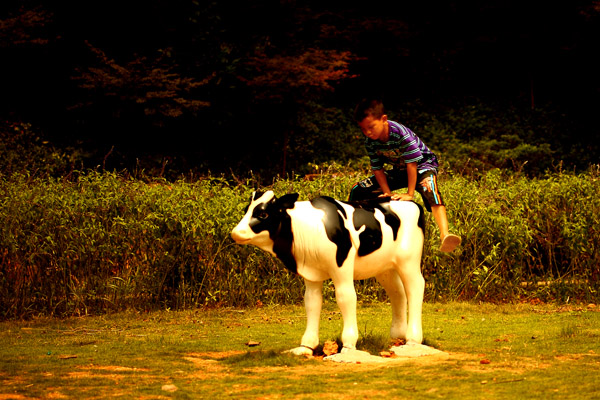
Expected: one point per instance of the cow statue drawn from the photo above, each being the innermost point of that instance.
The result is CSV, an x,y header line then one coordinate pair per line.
x,y
325,239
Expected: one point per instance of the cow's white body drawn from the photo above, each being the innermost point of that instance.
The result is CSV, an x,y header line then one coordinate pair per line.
x,y
396,264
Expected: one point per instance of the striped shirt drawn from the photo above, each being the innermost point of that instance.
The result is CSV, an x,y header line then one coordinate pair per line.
x,y
402,147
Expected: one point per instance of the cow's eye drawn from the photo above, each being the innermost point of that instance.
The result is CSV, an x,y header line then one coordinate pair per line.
x,y
262,215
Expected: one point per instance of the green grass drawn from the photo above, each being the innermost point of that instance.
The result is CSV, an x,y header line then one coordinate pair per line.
x,y
534,351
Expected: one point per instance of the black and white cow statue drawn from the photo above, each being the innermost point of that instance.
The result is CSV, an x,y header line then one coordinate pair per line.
x,y
329,239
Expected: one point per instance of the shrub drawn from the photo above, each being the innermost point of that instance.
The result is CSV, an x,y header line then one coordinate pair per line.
x,y
106,241
521,237
23,150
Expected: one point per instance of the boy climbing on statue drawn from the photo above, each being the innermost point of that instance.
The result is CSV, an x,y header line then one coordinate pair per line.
x,y
414,166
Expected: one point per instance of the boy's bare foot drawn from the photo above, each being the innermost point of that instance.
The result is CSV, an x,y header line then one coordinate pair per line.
x,y
449,243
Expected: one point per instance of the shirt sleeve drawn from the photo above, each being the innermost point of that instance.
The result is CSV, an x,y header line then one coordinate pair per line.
x,y
409,144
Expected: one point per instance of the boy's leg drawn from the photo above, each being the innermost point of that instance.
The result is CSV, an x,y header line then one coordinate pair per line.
x,y
439,214
369,188
428,188
449,241
397,179
365,189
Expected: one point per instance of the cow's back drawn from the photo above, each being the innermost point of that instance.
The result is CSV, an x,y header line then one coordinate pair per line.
x,y
327,232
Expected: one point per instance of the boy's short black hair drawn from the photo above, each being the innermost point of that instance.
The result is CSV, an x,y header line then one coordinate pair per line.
x,y
368,107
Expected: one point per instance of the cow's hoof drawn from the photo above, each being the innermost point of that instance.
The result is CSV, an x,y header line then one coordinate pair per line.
x,y
301,351
413,350
347,350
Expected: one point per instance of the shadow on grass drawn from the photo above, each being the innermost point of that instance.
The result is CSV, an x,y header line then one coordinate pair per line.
x,y
265,358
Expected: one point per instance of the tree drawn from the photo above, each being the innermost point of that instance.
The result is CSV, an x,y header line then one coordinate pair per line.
x,y
152,87
295,81
25,27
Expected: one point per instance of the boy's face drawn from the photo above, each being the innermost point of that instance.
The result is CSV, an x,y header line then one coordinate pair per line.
x,y
375,128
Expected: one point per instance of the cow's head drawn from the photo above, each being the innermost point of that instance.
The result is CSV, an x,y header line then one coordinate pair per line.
x,y
266,223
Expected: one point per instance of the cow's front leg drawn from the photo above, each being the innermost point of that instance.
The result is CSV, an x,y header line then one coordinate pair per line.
x,y
313,300
345,295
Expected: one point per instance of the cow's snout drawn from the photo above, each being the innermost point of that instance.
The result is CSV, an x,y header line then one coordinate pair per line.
x,y
241,234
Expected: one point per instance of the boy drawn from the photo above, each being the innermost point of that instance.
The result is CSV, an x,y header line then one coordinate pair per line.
x,y
414,166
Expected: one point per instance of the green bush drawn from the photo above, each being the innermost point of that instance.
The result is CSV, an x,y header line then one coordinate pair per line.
x,y
521,237
108,242
105,242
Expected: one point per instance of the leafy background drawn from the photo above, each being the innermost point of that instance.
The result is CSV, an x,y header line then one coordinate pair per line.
x,y
131,137
213,86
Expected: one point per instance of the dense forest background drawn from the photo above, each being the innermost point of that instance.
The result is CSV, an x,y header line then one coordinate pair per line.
x,y
269,85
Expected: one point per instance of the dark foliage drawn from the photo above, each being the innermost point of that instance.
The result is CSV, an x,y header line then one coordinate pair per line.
x,y
269,85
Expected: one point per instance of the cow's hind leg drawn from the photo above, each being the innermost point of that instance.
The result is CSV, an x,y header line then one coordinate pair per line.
x,y
391,282
313,300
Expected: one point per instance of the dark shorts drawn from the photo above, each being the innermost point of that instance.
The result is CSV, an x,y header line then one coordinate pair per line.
x,y
427,186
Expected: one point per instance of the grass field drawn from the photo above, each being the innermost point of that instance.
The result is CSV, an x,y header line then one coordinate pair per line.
x,y
493,352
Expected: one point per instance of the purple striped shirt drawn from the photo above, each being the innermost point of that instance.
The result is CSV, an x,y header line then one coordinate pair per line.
x,y
402,147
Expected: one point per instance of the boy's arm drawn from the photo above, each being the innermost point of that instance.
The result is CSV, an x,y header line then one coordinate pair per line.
x,y
382,181
411,172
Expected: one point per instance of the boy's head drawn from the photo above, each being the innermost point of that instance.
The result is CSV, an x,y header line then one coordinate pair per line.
x,y
370,116
368,107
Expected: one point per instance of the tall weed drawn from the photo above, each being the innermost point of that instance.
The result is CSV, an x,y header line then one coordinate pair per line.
x,y
520,237
107,242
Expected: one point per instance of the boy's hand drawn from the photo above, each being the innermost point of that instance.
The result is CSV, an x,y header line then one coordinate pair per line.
x,y
402,196
398,196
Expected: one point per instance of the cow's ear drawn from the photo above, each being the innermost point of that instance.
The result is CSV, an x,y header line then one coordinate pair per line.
x,y
287,200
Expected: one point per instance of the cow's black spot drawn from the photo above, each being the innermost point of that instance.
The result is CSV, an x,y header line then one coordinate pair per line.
x,y
272,216
391,218
282,244
372,237
334,226
283,237
383,205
